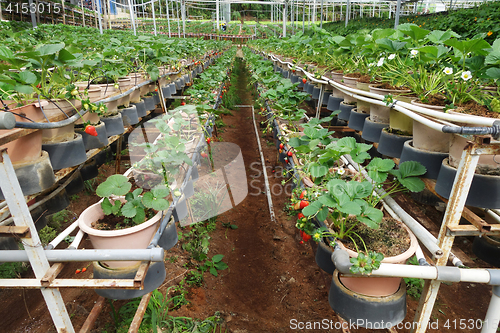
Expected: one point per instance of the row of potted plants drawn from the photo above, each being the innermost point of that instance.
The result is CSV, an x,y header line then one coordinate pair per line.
x,y
140,208
58,72
336,205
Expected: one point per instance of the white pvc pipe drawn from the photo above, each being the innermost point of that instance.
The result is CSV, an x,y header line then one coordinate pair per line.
x,y
62,235
264,170
492,319
76,242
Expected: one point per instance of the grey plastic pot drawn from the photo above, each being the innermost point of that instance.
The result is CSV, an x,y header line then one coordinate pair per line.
x,y
334,103
484,190
310,89
357,119
178,84
149,103
487,249
392,144
180,210
315,93
169,237
324,258
154,278
156,98
92,142
173,88
114,125
430,159
326,97
140,108
166,91
372,130
34,177
129,116
345,111
66,154
365,310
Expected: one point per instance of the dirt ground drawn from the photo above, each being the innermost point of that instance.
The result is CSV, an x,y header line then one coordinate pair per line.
x,y
271,280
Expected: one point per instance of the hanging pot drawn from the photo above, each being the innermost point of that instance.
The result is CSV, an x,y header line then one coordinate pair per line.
x,y
426,138
391,144
379,287
129,116
28,148
136,237
357,119
141,109
114,124
367,311
92,142
67,153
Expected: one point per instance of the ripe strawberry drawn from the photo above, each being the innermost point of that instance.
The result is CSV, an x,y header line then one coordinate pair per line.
x,y
304,80
282,146
301,196
204,155
84,269
289,153
183,103
301,242
78,271
208,140
303,204
306,237
90,130
300,215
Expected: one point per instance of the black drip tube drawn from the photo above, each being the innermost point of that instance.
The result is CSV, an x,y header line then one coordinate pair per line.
x,y
493,130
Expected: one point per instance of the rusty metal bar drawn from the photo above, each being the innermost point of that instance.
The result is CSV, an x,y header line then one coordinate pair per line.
x,y
94,313
51,274
69,283
139,314
471,230
453,213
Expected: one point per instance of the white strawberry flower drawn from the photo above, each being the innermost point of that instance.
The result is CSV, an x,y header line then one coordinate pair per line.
x,y
391,56
341,171
466,75
448,70
413,53
380,62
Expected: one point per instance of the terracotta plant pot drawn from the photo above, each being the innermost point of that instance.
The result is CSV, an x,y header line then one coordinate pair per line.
x,y
381,114
352,83
427,138
379,286
136,237
27,148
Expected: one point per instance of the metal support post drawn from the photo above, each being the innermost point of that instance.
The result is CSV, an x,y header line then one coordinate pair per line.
x,y
99,14
347,11
168,20
398,9
284,18
452,215
34,248
33,14
320,100
321,24
154,17
303,15
183,15
132,20
217,17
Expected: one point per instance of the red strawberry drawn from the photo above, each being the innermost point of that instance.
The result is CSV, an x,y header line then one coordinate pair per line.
x,y
208,140
306,237
90,130
78,271
301,196
289,153
300,216
84,269
183,103
281,146
303,204
204,155
304,80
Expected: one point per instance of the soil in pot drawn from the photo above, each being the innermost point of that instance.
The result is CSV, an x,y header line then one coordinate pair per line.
x,y
113,222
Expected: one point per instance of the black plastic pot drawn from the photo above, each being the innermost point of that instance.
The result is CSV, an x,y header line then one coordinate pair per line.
x,y
89,170
180,211
66,154
324,258
430,159
484,190
57,203
166,91
372,130
334,103
129,116
173,88
154,278
114,125
487,249
326,97
367,311
392,144
169,237
315,93
357,119
345,111
149,103
310,88
140,108
92,142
